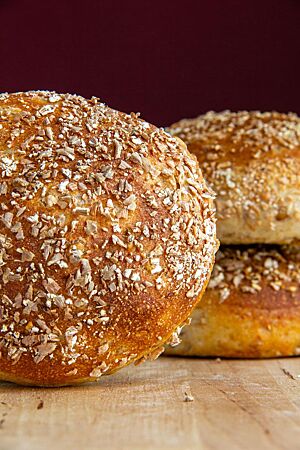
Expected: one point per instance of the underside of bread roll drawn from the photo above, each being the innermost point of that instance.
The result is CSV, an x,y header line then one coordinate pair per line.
x,y
251,307
252,161
107,238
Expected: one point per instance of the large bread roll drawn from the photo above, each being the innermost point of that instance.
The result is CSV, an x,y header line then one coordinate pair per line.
x,y
107,238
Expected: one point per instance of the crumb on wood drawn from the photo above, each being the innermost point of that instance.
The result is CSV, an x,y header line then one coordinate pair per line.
x,y
40,405
188,397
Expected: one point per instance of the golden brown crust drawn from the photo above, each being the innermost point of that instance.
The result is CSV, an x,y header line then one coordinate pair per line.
x,y
251,308
107,238
252,161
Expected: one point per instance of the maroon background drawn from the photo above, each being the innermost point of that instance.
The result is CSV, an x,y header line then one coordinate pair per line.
x,y
167,59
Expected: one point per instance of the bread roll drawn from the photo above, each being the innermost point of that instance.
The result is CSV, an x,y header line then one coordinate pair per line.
x,y
107,238
251,308
252,161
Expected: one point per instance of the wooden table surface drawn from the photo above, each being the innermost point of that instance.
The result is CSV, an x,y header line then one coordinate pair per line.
x,y
238,404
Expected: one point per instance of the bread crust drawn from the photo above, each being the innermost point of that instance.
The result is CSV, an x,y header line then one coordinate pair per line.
x,y
251,308
252,161
107,238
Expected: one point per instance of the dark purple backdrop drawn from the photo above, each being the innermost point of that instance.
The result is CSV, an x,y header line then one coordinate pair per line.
x,y
166,59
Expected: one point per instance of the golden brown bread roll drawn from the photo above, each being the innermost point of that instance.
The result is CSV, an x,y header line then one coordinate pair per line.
x,y
107,238
251,308
252,161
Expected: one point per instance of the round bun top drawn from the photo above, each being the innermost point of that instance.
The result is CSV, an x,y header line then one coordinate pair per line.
x,y
107,237
252,161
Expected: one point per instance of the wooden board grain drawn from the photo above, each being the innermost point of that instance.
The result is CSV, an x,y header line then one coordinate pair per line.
x,y
238,404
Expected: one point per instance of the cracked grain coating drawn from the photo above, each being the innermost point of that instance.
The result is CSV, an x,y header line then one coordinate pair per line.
x,y
251,308
107,238
252,161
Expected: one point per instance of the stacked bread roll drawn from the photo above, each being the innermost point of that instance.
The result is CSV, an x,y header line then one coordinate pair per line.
x,y
252,305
